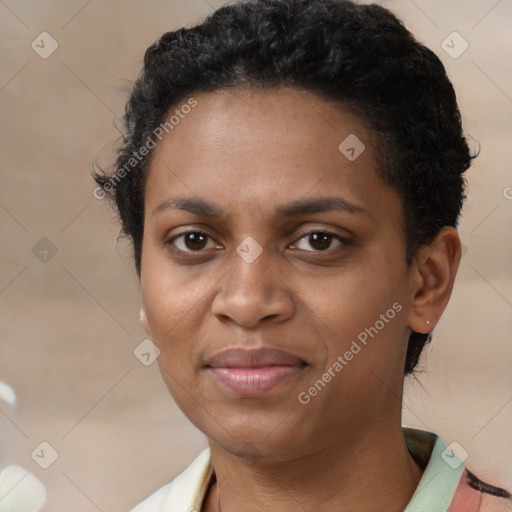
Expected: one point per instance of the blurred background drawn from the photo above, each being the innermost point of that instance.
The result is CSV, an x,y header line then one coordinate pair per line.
x,y
68,289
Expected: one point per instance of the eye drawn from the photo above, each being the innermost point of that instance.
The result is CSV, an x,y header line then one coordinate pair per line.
x,y
193,241
319,240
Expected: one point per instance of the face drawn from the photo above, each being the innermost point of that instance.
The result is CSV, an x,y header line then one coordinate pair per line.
x,y
273,275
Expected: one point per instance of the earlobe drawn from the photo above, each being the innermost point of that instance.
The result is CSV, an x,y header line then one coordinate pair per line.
x,y
434,272
144,320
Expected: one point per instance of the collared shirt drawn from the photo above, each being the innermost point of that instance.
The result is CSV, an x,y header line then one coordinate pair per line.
x,y
446,485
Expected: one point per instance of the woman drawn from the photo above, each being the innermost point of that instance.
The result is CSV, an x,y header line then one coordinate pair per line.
x,y
291,180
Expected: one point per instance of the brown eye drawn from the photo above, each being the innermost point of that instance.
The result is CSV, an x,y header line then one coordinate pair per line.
x,y
318,240
193,241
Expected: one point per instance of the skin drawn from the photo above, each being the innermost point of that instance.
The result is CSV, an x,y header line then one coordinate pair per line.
x,y
249,153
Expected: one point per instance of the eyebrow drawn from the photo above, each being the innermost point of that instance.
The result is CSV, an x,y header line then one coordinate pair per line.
x,y
203,208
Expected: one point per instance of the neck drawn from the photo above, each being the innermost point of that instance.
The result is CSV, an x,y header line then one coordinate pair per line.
x,y
369,470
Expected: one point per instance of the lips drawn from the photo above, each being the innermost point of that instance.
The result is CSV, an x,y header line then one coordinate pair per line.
x,y
254,372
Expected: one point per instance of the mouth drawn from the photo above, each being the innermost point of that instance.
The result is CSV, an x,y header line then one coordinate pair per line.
x,y
249,373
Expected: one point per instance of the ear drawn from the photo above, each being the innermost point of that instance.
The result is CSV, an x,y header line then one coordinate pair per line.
x,y
433,274
144,318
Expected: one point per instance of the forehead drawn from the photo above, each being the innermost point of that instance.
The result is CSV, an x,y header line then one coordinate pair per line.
x,y
263,147
296,122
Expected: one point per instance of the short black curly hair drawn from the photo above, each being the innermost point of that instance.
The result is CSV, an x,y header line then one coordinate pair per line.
x,y
359,56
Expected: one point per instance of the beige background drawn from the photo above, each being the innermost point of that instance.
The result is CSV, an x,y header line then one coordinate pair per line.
x,y
69,326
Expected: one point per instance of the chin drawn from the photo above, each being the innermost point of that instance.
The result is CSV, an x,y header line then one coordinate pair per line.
x,y
255,440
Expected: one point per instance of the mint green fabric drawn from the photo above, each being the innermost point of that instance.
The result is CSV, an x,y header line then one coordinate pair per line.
x,y
434,493
440,478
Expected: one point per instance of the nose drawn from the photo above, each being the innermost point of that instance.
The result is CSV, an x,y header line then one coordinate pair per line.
x,y
252,293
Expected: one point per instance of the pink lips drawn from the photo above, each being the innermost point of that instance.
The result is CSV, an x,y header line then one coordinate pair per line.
x,y
254,372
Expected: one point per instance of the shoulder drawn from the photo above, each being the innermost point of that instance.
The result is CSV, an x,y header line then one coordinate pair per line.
x,y
473,494
446,483
185,492
477,484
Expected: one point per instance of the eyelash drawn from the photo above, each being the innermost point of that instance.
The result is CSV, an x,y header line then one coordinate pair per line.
x,y
342,240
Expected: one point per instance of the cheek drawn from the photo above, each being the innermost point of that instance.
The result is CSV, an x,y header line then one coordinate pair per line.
x,y
170,312
176,304
348,299
167,305
363,313
168,292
